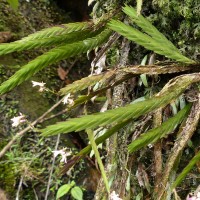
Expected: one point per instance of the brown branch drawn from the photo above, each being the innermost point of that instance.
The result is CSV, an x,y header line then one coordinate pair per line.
x,y
185,134
159,69
157,153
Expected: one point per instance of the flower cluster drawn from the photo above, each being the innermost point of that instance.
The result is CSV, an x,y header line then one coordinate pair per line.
x,y
63,154
114,196
41,85
193,196
68,100
18,120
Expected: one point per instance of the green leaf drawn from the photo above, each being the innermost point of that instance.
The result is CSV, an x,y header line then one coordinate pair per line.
x,y
53,56
99,140
14,4
86,82
171,91
77,193
58,30
64,189
153,40
105,136
186,170
66,33
45,42
153,135
147,27
97,156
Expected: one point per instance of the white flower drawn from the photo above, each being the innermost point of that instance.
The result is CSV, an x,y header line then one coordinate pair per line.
x,y
41,85
100,65
63,154
198,194
68,100
191,197
150,146
114,196
18,120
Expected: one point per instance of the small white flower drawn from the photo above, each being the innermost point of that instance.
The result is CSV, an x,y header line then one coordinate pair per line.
x,y
100,65
57,152
198,194
18,120
40,84
150,146
68,100
114,196
63,154
191,197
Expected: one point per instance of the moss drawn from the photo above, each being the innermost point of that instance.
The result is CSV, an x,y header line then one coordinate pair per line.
x,y
8,178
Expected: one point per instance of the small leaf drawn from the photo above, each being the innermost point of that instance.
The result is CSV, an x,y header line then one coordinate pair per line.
x,y
155,134
14,4
144,76
144,79
186,170
77,193
64,189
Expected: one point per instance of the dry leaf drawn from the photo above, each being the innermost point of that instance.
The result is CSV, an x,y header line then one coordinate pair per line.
x,y
62,73
5,36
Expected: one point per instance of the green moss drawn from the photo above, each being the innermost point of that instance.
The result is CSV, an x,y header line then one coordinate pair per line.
x,y
182,19
8,178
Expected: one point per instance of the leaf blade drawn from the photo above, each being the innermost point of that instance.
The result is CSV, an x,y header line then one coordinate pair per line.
x,y
153,135
186,170
64,189
171,91
77,193
53,56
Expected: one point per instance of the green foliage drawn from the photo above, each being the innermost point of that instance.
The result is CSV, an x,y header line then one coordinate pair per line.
x,y
70,40
105,136
153,135
186,170
14,4
169,92
54,55
64,189
154,41
77,193
86,82
97,156
8,177
66,33
57,30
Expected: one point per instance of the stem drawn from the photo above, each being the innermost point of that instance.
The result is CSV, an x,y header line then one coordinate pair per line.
x,y
158,153
52,166
97,155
